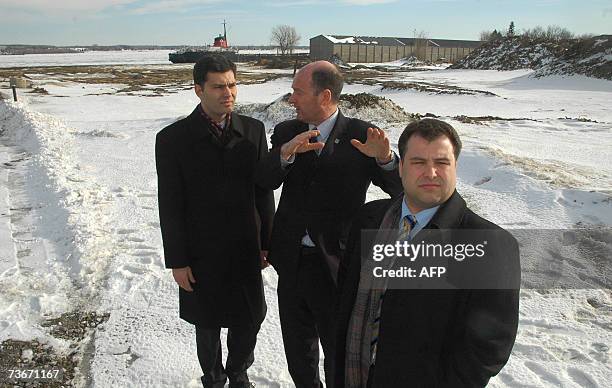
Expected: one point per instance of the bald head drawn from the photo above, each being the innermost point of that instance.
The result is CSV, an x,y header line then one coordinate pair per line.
x,y
319,65
324,75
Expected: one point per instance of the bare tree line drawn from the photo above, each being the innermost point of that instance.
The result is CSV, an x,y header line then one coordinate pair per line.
x,y
550,33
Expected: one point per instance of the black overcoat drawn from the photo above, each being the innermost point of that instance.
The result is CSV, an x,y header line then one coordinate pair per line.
x,y
434,338
322,193
213,218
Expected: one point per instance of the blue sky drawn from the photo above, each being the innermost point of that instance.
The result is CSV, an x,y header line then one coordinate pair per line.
x,y
196,22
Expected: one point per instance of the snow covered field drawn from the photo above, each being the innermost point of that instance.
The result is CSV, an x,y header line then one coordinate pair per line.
x,y
79,229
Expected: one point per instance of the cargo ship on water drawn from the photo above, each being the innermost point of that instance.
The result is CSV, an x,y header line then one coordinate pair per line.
x,y
192,55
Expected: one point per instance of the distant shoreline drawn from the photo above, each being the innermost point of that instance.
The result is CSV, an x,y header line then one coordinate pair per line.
x,y
23,49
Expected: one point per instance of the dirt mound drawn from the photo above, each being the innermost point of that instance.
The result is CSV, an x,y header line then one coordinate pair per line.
x,y
379,110
591,57
510,54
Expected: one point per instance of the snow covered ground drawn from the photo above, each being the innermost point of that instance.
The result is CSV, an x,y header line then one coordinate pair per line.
x,y
79,228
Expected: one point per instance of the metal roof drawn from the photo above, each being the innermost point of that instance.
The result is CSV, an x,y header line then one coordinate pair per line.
x,y
395,41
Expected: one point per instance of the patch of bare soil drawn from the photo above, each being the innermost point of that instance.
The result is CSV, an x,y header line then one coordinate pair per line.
x,y
39,91
42,366
74,326
387,69
385,77
581,119
148,81
282,62
364,75
428,87
36,364
473,119
482,119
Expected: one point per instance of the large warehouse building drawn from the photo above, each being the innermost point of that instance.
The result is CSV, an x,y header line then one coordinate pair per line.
x,y
368,49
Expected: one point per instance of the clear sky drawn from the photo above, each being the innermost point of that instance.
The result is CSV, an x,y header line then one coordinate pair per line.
x,y
196,22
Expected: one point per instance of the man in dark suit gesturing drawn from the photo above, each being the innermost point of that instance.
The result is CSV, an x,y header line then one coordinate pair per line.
x,y
325,162
411,332
215,222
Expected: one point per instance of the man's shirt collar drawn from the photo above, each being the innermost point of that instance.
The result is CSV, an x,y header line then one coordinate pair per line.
x,y
326,126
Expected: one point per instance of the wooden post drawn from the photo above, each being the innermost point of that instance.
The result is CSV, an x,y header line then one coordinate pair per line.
x,y
295,67
13,83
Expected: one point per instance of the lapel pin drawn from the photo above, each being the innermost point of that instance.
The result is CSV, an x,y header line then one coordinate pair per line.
x,y
337,141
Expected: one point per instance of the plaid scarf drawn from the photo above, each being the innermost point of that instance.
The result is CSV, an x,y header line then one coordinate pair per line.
x,y
216,130
367,302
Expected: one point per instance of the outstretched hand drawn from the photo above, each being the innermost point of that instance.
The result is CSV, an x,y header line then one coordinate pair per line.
x,y
300,144
376,145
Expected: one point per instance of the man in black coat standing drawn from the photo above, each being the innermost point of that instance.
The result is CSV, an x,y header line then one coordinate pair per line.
x,y
325,162
411,332
215,222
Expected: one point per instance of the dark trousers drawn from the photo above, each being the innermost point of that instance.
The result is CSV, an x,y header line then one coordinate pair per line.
x,y
370,383
306,310
240,346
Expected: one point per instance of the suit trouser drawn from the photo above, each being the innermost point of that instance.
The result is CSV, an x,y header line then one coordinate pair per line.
x,y
240,345
306,310
370,383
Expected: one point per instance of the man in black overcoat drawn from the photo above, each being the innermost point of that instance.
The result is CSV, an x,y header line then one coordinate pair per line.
x,y
456,333
325,162
215,221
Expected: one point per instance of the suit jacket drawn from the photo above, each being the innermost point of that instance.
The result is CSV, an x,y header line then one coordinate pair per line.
x,y
434,338
320,194
213,218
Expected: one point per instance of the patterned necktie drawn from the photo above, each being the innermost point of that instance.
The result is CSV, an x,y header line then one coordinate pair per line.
x,y
408,222
315,139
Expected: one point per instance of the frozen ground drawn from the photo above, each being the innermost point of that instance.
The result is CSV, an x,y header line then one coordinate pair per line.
x,y
79,227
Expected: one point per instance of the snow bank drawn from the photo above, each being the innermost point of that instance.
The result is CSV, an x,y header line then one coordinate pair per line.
x,y
62,214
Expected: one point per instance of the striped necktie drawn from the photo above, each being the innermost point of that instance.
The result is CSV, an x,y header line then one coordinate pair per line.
x,y
408,222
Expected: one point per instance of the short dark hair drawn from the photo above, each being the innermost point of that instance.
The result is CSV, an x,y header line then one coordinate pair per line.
x,y
430,130
328,78
211,63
